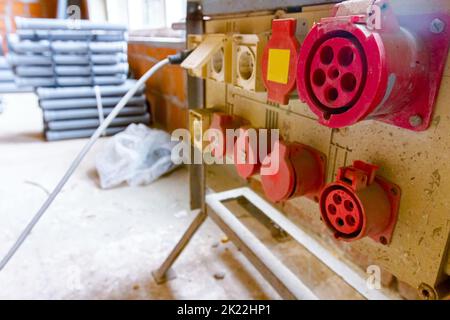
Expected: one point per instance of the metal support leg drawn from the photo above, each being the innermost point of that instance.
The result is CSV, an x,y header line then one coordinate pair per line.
x,y
194,25
197,189
250,254
160,275
197,184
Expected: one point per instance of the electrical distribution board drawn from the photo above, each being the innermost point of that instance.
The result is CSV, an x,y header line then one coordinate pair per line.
x,y
360,93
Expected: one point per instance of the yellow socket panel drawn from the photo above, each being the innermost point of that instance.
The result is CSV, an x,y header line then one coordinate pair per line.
x,y
417,162
211,58
247,53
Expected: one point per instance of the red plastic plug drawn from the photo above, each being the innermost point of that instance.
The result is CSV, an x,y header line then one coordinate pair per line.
x,y
222,122
279,61
360,204
301,172
247,152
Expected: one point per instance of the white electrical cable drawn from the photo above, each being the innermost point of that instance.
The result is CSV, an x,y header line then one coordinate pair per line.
x,y
78,160
101,114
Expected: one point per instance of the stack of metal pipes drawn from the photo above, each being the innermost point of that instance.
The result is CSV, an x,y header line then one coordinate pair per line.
x,y
73,112
7,79
80,71
7,83
56,53
3,66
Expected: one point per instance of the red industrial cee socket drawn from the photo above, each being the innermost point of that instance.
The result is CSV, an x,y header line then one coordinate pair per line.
x,y
351,69
247,153
301,172
221,122
360,204
279,61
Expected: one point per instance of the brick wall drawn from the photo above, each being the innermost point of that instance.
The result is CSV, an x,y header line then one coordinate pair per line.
x,y
38,9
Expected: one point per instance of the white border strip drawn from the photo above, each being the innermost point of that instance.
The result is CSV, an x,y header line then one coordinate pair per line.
x,y
343,270
290,280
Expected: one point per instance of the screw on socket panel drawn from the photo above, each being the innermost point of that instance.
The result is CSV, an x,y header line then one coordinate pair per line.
x,y
415,121
427,292
437,26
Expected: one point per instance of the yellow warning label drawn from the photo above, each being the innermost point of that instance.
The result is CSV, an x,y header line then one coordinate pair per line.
x,y
278,67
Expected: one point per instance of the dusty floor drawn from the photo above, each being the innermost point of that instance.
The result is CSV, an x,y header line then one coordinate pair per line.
x,y
95,244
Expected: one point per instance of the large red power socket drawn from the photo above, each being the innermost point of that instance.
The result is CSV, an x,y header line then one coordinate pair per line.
x,y
360,204
349,71
221,122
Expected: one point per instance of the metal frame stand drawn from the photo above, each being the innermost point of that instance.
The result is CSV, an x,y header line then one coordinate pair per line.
x,y
163,273
274,271
288,285
197,182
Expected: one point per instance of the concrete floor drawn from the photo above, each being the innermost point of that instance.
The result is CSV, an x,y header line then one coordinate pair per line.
x,y
96,244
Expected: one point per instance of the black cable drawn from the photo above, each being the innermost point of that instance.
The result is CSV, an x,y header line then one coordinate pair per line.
x,y
179,57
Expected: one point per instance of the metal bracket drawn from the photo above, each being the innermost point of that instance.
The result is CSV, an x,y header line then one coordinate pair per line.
x,y
277,274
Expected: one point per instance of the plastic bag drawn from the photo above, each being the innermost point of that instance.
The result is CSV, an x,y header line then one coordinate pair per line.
x,y
139,155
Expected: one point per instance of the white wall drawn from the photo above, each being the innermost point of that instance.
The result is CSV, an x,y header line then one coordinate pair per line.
x,y
138,14
117,11
97,10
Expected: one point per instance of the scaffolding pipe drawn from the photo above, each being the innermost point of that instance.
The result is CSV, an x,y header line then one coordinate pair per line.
x,y
87,92
59,104
74,35
78,134
45,46
96,59
71,81
4,65
58,24
39,71
6,76
94,123
72,114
